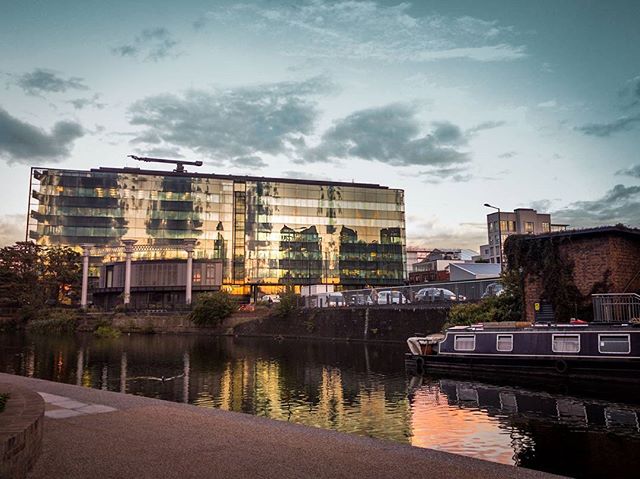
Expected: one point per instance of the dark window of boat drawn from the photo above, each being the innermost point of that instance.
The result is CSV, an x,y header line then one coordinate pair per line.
x,y
504,343
614,343
566,343
464,342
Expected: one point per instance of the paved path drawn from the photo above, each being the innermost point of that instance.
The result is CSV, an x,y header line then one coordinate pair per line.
x,y
101,434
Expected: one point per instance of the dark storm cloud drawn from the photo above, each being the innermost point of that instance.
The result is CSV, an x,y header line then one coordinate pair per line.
x,y
390,134
621,204
41,81
606,129
633,171
153,44
231,123
21,142
250,162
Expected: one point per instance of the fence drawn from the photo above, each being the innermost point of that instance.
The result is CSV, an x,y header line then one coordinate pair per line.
x,y
417,294
616,307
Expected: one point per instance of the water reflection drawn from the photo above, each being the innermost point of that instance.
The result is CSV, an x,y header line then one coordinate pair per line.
x,y
353,388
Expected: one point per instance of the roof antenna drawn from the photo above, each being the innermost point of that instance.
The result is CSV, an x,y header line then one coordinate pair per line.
x,y
179,163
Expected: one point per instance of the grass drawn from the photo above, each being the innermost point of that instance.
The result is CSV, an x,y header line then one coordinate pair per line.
x,y
3,400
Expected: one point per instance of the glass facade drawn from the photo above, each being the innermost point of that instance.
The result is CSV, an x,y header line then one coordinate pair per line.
x,y
265,231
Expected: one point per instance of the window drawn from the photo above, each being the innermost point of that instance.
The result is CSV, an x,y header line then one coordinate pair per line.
x,y
566,343
504,343
528,227
545,227
614,343
464,342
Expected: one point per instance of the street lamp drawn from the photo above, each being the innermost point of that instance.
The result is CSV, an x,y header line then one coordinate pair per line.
x,y
499,232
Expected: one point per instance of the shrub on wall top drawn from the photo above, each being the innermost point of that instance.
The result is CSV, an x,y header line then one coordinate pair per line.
x,y
212,308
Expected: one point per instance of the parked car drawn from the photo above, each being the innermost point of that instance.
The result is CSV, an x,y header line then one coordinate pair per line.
x,y
493,289
390,297
359,300
437,294
330,300
270,298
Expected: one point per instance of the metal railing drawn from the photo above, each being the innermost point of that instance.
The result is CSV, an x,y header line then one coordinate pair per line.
x,y
616,307
435,294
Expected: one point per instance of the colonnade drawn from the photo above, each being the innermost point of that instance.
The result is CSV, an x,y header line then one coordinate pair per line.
x,y
129,247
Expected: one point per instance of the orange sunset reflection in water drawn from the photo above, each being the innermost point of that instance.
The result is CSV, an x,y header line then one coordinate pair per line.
x,y
437,422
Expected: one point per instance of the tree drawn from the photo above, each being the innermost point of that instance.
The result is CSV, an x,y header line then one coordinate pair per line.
x,y
212,308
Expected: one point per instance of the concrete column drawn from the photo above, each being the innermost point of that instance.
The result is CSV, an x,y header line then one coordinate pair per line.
x,y
128,252
86,252
189,245
80,367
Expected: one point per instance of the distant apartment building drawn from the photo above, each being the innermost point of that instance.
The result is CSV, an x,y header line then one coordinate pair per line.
x,y
415,254
501,225
435,266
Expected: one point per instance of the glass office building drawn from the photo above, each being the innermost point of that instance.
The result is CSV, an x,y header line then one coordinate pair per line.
x,y
270,232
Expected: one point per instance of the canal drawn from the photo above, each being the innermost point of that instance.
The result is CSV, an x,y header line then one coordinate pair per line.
x,y
351,387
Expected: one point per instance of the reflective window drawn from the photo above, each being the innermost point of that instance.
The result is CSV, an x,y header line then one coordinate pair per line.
x,y
504,342
464,342
566,343
614,343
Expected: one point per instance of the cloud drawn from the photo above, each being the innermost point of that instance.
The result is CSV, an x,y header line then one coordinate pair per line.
x,y
633,171
229,123
81,103
433,234
160,152
21,142
625,123
621,204
12,229
487,125
390,134
508,154
630,93
548,104
153,44
457,174
369,31
249,162
41,81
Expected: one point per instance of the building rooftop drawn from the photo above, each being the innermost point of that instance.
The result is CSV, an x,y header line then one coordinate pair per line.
x,y
618,229
141,171
478,268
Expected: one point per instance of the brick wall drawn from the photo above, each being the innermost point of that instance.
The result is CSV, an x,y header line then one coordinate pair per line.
x,y
605,263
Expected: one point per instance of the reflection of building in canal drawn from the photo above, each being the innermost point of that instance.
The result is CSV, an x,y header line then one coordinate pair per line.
x,y
533,429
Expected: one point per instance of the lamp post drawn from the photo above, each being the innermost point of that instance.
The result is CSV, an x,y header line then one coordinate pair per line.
x,y
499,233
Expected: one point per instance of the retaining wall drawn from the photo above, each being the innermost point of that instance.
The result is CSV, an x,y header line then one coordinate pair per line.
x,y
391,324
20,431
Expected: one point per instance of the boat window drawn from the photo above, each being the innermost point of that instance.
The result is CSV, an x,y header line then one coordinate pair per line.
x,y
614,343
504,342
464,342
566,343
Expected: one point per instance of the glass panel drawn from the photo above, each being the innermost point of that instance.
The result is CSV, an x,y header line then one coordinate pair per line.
x,y
614,344
505,342
464,343
566,344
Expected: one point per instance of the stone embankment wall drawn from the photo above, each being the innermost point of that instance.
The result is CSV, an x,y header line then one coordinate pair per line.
x,y
391,324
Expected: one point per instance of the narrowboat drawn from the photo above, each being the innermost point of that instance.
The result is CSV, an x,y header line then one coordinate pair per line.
x,y
577,350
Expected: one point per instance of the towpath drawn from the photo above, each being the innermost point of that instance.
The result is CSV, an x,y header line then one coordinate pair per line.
x,y
96,434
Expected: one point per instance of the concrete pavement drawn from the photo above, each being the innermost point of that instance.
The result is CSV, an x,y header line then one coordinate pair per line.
x,y
115,435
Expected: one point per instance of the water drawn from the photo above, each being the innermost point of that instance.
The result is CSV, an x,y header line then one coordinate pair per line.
x,y
354,388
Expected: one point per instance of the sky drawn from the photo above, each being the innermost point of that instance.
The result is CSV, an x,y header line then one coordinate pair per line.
x,y
459,103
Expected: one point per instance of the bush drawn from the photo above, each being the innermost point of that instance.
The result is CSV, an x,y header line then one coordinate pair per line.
x,y
212,308
499,308
4,397
58,321
287,305
106,332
